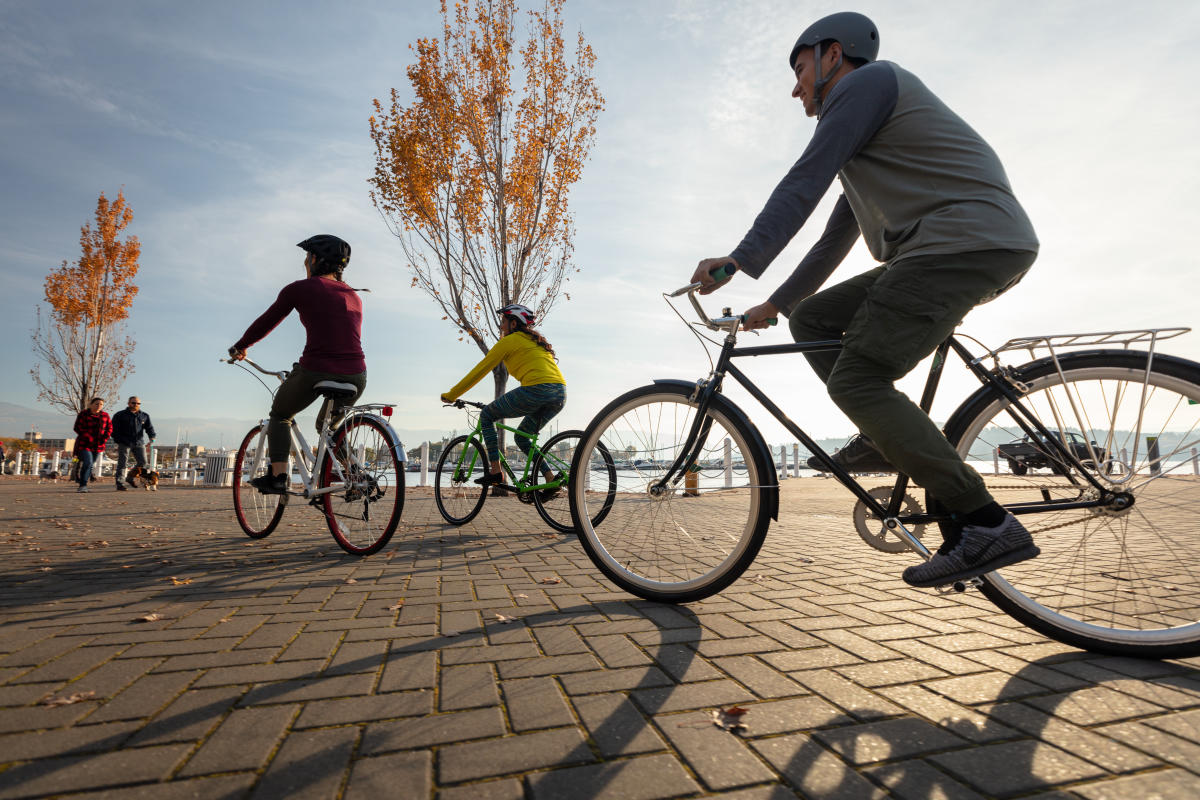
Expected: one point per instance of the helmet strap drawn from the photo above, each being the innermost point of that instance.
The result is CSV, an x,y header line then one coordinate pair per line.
x,y
819,80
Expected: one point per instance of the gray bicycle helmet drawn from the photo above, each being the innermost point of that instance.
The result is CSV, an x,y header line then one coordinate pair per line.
x,y
857,35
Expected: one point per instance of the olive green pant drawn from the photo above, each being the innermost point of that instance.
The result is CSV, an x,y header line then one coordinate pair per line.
x,y
889,319
296,394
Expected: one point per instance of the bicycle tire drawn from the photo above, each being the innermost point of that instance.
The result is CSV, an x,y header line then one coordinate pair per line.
x,y
459,499
376,483
674,547
258,514
1118,582
556,456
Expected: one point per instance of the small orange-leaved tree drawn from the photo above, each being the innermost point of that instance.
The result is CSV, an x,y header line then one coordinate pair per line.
x,y
81,342
473,176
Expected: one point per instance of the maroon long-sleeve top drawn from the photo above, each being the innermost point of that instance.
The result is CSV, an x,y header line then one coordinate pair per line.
x,y
331,313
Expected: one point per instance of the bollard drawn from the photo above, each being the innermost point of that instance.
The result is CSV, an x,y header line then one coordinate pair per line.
x,y
796,459
691,482
424,463
995,460
728,463
783,462
1152,454
1195,463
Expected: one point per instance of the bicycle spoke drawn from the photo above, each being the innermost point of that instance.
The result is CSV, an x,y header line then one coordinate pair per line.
x,y
1121,579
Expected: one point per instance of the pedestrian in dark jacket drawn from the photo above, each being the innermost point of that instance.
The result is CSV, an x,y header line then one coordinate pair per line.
x,y
94,427
128,426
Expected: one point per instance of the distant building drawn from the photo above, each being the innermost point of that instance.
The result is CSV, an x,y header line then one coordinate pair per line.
x,y
48,445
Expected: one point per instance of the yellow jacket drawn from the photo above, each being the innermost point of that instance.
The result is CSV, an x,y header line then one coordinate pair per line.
x,y
526,360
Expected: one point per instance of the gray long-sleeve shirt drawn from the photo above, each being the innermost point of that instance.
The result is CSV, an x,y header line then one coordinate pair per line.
x,y
917,180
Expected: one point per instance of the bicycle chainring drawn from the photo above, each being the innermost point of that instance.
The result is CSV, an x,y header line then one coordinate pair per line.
x,y
525,497
874,532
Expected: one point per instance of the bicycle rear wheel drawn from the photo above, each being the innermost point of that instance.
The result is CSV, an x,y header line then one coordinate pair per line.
x,y
689,539
258,514
457,495
1124,581
367,473
600,477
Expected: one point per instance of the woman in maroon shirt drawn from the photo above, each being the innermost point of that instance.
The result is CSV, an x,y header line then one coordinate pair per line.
x,y
94,427
331,313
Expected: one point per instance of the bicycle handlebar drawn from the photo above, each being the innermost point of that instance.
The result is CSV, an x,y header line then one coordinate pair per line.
x,y
281,374
727,319
461,403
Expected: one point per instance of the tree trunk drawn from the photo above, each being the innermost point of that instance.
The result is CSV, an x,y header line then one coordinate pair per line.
x,y
500,380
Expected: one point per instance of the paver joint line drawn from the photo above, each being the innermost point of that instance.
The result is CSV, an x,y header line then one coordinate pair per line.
x,y
283,663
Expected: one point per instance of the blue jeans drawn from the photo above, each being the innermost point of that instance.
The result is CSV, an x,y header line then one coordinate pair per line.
x,y
538,403
87,458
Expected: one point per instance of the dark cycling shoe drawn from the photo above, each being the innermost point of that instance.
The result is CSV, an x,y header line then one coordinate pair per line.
x,y
546,495
271,484
859,455
490,478
980,550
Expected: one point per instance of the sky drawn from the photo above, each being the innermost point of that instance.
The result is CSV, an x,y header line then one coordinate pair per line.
x,y
237,129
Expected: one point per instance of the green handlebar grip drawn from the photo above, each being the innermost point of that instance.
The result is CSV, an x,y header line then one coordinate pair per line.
x,y
722,272
769,320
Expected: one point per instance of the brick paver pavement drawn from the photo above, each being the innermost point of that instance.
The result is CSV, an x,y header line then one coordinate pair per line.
x,y
149,650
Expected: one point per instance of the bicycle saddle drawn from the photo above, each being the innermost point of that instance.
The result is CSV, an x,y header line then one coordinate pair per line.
x,y
335,389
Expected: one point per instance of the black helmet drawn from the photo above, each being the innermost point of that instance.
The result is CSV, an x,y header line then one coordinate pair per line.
x,y
332,253
857,35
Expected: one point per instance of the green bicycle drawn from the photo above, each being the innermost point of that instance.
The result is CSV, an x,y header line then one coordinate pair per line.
x,y
464,459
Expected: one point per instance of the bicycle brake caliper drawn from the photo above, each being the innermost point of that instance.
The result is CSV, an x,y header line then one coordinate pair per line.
x,y
1009,376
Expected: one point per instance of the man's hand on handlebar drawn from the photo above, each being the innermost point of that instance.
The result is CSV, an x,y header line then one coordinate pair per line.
x,y
758,316
704,270
236,354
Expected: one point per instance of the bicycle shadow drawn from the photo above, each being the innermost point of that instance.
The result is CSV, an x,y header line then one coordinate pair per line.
x,y
1030,736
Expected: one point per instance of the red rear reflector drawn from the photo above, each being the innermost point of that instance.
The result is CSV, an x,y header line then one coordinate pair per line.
x,y
387,411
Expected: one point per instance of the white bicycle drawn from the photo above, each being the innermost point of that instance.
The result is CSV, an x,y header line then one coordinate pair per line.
x,y
355,476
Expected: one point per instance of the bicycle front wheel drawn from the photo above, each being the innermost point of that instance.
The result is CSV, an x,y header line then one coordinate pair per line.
x,y
457,495
258,514
365,471
1120,578
688,539
600,477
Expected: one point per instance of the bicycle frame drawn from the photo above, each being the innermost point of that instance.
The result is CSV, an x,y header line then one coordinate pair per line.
x,y
998,379
476,435
306,464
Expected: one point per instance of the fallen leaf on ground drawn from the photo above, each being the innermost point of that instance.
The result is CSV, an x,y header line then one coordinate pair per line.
x,y
177,582
351,580
398,605
153,617
550,581
503,619
522,596
67,699
729,719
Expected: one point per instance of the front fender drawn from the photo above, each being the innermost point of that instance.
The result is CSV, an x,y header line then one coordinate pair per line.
x,y
757,444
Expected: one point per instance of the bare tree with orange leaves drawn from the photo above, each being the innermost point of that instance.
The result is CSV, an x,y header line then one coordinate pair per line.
x,y
81,343
473,176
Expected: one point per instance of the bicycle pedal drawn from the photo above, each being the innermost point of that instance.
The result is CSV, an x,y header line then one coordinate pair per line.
x,y
958,587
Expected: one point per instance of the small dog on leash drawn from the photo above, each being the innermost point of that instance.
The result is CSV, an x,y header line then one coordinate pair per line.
x,y
48,477
147,479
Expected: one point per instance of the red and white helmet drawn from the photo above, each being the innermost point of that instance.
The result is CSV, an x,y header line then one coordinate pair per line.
x,y
522,314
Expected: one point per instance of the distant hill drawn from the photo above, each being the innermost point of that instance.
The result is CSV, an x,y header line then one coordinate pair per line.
x,y
16,420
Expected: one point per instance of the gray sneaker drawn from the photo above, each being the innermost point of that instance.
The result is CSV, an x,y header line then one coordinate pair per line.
x,y
981,550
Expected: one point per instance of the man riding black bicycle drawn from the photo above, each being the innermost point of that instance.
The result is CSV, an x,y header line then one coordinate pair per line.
x,y
933,203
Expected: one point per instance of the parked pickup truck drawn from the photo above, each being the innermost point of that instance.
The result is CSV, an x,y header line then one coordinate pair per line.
x,y
1027,453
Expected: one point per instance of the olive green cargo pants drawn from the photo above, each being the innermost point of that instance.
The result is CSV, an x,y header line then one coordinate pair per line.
x,y
889,319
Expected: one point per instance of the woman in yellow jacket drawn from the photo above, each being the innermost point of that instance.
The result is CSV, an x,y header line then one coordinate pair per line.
x,y
530,359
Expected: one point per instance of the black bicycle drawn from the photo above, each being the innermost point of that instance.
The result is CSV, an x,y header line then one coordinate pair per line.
x,y
1109,497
